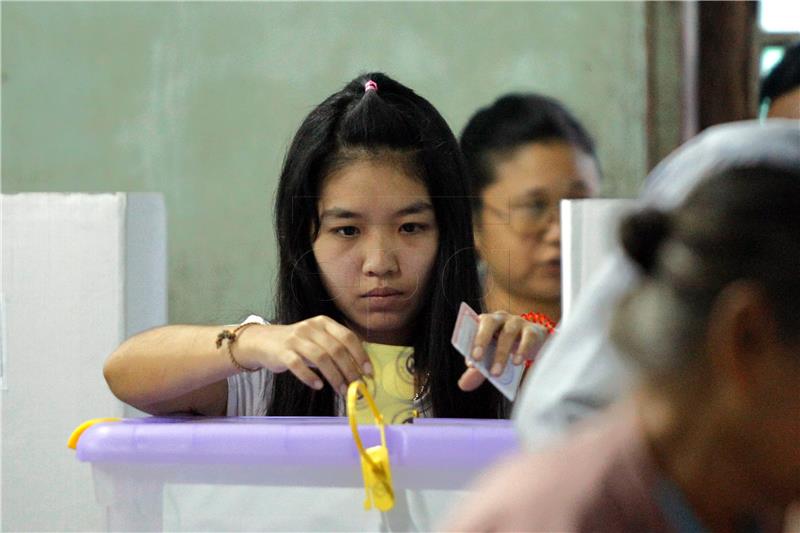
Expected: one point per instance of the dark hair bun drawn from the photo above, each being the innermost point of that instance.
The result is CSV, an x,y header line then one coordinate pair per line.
x,y
642,234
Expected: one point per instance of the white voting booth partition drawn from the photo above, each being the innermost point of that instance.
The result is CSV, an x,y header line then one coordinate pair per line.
x,y
80,272
589,232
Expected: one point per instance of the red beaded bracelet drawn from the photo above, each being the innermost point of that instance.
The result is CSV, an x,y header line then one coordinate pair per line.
x,y
542,320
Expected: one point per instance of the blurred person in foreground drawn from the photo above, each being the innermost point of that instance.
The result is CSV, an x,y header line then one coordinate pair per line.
x,y
709,439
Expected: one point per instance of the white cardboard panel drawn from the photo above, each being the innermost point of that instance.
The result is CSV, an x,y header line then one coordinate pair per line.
x,y
589,231
69,262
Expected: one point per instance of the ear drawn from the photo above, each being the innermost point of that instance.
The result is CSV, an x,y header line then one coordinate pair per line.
x,y
741,335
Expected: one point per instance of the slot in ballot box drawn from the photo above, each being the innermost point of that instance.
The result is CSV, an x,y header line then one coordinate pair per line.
x,y
281,473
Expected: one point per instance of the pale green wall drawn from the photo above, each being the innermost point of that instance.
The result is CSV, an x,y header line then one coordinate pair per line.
x,y
199,101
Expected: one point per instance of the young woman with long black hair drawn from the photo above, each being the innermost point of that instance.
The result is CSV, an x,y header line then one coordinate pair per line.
x,y
376,246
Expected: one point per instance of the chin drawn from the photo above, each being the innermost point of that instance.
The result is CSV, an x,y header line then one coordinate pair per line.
x,y
545,292
383,323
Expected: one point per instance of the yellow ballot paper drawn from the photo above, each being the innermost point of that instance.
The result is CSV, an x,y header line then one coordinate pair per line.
x,y
392,385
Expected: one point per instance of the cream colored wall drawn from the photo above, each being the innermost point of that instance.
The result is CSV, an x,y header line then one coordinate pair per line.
x,y
199,101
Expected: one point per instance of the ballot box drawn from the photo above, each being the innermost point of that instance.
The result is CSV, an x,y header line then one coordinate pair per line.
x,y
281,473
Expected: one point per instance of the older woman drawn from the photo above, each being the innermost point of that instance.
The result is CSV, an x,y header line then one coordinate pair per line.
x,y
710,437
525,153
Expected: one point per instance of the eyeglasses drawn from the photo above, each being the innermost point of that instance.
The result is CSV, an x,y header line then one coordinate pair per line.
x,y
528,217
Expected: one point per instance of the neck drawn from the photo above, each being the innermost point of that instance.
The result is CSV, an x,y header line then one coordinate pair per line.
x,y
501,299
385,337
391,337
692,447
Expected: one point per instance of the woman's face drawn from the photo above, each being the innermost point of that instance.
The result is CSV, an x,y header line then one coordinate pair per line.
x,y
518,232
376,247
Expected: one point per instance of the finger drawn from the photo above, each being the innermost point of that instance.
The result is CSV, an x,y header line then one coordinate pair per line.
x,y
507,339
297,366
351,342
470,380
317,355
533,337
488,324
338,352
347,365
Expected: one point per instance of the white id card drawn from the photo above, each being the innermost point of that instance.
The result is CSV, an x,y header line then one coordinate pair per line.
x,y
464,340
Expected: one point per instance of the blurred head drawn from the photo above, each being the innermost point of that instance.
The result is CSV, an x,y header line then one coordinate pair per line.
x,y
716,317
780,89
374,230
525,153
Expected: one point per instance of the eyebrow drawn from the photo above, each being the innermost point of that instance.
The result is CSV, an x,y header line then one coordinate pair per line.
x,y
419,206
345,214
338,212
576,185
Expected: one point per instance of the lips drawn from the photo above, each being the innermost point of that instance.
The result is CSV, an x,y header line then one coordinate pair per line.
x,y
552,266
382,292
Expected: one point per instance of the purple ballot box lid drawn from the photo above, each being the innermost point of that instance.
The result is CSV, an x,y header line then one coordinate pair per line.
x,y
324,441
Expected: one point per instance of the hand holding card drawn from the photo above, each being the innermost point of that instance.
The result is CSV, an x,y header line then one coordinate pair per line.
x,y
464,334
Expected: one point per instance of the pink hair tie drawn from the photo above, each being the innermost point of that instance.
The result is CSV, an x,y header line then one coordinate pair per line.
x,y
370,86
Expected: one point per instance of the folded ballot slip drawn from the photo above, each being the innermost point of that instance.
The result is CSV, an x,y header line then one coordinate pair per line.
x,y
464,340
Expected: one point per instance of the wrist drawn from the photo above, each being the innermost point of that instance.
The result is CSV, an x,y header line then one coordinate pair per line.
x,y
542,320
234,344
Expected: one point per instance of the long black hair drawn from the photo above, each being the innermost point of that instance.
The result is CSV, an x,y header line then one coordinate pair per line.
x,y
350,124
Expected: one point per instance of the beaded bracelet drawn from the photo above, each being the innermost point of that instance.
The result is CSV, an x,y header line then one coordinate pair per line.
x,y
231,337
542,320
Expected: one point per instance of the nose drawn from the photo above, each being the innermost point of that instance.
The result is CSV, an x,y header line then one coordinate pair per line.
x,y
380,258
552,232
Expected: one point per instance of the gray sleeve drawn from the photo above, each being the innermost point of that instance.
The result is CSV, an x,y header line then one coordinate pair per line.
x,y
249,393
579,372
